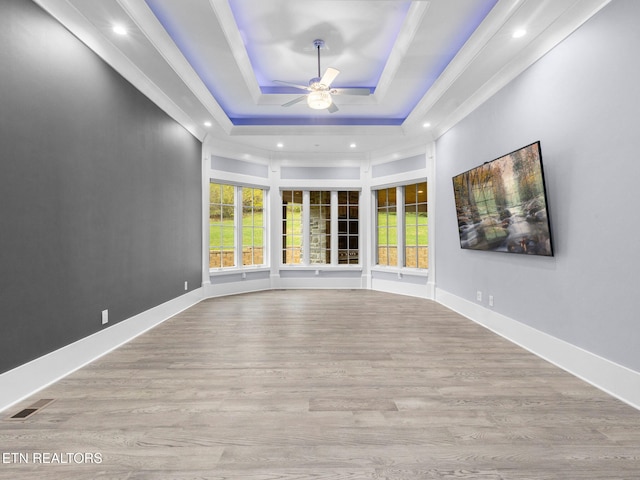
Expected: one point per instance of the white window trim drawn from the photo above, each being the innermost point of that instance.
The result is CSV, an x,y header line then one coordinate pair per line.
x,y
238,267
306,229
400,268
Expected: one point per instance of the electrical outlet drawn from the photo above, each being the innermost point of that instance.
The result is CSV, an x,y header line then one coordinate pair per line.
x,y
105,317
479,296
491,300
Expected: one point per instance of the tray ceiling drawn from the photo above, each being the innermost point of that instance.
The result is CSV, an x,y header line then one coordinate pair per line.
x,y
211,64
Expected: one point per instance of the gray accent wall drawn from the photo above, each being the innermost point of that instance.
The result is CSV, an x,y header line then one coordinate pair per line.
x,y
582,101
100,192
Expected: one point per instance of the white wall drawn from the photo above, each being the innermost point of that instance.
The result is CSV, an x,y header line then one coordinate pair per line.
x,y
582,101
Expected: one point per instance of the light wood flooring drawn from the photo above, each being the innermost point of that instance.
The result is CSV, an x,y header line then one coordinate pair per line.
x,y
350,385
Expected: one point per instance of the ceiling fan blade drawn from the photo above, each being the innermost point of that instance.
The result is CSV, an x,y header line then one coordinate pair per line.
x,y
294,101
332,108
350,91
329,76
303,87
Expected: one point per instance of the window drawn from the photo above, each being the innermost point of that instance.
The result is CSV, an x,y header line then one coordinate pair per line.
x,y
292,227
348,227
387,227
415,226
221,225
236,226
320,227
253,230
402,226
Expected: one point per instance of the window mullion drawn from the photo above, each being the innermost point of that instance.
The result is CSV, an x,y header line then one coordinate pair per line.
x,y
237,206
334,228
400,225
373,251
306,228
265,221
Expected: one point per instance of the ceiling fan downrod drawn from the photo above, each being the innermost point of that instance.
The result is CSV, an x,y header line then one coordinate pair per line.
x,y
318,44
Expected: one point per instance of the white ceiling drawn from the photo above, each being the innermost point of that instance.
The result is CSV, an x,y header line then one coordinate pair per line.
x,y
424,62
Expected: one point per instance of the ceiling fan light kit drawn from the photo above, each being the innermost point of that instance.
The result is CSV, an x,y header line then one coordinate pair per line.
x,y
319,100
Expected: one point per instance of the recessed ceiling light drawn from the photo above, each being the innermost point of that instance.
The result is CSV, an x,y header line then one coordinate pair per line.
x,y
280,145
521,32
119,29
426,125
353,145
207,124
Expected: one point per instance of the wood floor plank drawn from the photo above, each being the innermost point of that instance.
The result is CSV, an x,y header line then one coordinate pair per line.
x,y
327,384
351,404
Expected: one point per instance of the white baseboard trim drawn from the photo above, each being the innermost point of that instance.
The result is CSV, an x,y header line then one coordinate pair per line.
x,y
314,283
236,288
616,380
401,288
27,379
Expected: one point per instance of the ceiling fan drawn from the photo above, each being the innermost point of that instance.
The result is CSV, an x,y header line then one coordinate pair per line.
x,y
319,88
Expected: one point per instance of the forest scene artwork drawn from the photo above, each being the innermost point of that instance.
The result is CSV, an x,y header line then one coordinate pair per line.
x,y
502,206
